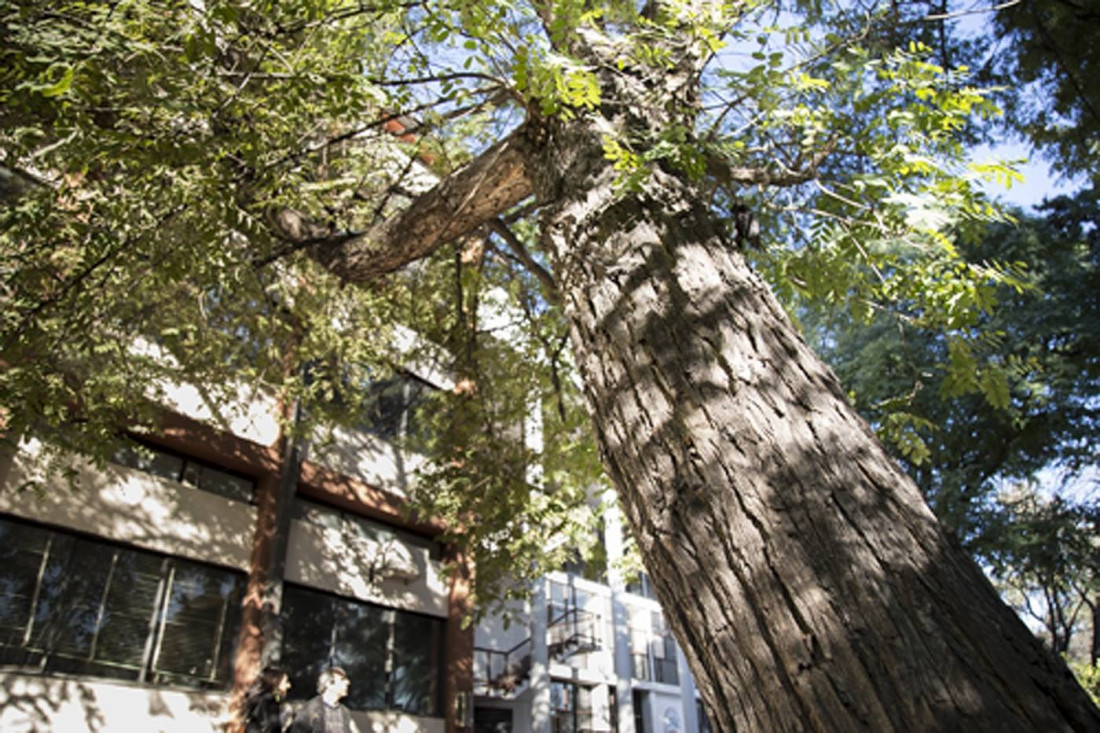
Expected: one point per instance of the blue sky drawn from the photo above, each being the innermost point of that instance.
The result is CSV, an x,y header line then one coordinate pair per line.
x,y
1039,182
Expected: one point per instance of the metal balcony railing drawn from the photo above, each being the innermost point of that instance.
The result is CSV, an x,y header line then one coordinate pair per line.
x,y
502,671
573,632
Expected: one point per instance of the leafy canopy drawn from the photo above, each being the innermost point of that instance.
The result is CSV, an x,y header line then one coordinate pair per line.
x,y
166,164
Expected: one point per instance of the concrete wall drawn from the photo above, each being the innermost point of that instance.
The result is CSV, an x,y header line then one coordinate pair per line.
x,y
30,704
365,457
666,712
135,507
493,633
379,722
333,559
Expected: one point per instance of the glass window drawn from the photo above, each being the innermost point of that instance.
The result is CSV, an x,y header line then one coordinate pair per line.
x,y
663,646
704,720
22,550
168,465
390,410
82,606
562,700
652,649
217,481
393,658
151,460
571,706
641,586
200,604
417,651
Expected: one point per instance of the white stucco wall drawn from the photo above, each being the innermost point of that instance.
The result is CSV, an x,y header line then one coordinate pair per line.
x,y
137,508
328,559
32,704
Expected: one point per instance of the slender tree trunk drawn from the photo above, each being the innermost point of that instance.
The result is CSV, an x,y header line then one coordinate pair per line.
x,y
1094,651
809,584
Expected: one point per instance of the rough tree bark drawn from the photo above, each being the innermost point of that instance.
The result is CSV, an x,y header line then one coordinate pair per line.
x,y
808,582
810,586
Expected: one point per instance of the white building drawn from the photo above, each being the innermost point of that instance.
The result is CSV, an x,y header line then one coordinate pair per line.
x,y
584,656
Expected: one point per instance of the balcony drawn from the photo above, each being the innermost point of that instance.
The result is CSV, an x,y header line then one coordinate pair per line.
x,y
502,673
573,632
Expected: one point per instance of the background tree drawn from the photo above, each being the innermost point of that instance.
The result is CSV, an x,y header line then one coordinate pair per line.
x,y
1044,57
178,173
959,438
1043,551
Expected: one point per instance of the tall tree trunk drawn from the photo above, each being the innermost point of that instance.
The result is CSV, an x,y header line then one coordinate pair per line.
x,y
809,584
806,579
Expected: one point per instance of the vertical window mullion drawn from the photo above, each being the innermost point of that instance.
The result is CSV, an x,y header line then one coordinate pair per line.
x,y
403,421
390,617
150,637
163,608
102,610
38,590
217,655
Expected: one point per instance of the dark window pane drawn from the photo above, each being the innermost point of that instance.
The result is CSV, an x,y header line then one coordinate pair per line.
x,y
21,552
366,640
418,645
73,584
384,411
361,639
97,606
129,608
390,409
201,614
151,460
194,473
223,483
308,620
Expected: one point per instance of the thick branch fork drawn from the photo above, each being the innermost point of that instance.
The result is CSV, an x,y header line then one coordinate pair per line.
x,y
460,203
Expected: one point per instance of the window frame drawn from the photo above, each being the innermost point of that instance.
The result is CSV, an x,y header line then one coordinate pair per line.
x,y
187,464
389,618
46,658
578,708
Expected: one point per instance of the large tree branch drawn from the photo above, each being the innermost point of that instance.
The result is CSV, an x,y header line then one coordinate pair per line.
x,y
463,201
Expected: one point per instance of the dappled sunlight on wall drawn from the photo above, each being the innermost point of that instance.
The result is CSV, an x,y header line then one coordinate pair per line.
x,y
131,506
505,630
390,573
250,414
30,704
379,722
366,457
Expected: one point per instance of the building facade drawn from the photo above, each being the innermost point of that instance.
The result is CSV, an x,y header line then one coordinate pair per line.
x,y
137,600
584,656
144,599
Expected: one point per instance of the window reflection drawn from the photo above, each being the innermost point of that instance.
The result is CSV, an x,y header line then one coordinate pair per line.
x,y
82,606
168,465
393,658
391,405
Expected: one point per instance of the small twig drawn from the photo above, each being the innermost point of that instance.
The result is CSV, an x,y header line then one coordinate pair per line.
x,y
550,287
